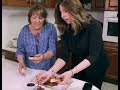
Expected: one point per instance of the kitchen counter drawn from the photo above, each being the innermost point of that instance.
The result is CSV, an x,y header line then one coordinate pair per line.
x,y
12,80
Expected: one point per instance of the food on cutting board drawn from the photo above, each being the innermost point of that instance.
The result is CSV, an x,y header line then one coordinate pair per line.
x,y
53,81
40,88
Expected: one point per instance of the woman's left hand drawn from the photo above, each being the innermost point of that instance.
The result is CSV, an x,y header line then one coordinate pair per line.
x,y
37,58
66,77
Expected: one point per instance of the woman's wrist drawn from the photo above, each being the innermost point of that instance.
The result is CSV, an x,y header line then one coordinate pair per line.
x,y
43,57
72,73
51,72
20,61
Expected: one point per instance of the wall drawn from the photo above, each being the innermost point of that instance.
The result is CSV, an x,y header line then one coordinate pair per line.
x,y
14,18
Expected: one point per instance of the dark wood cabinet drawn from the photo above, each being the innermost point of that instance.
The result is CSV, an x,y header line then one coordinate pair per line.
x,y
102,4
111,5
112,72
15,3
50,3
28,3
98,4
10,55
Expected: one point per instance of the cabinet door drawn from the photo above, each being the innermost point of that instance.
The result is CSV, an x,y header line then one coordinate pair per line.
x,y
47,4
37,3
98,4
50,3
111,5
112,72
10,55
16,2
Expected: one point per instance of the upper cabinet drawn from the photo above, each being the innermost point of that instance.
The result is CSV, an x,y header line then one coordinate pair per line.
x,y
50,3
16,3
100,4
111,5
29,3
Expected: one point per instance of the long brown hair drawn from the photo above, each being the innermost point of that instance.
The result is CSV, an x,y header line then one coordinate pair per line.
x,y
74,7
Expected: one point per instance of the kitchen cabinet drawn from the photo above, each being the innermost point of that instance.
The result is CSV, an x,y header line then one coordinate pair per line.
x,y
112,72
16,3
93,4
10,55
50,3
100,4
28,3
104,5
111,5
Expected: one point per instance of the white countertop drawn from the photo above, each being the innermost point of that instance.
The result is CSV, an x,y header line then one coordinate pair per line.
x,y
10,49
12,80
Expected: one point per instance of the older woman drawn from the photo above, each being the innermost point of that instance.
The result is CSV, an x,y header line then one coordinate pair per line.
x,y
81,35
37,39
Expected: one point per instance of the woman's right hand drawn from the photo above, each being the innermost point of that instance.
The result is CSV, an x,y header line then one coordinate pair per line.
x,y
42,78
22,68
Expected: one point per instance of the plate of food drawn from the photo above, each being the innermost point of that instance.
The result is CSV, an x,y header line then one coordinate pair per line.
x,y
52,84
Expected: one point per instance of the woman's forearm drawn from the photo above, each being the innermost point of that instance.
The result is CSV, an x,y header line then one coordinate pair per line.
x,y
81,66
58,65
20,58
47,55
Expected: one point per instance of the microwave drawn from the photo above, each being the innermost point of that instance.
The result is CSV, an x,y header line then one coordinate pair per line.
x,y
110,26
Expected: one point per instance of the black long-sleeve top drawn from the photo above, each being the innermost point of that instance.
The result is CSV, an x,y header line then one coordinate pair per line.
x,y
87,44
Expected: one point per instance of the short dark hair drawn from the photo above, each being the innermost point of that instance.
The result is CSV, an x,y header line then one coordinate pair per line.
x,y
39,10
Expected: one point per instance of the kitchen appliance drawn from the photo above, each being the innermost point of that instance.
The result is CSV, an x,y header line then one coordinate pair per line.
x,y
110,26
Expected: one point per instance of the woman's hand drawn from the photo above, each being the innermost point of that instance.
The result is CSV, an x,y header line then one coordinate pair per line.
x,y
37,58
42,78
66,77
22,68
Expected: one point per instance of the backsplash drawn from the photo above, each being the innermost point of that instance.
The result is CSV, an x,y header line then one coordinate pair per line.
x,y
14,18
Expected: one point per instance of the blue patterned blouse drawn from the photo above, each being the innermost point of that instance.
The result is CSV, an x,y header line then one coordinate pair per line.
x,y
26,45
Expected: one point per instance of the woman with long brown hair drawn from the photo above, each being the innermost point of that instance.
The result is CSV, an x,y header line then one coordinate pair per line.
x,y
81,35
